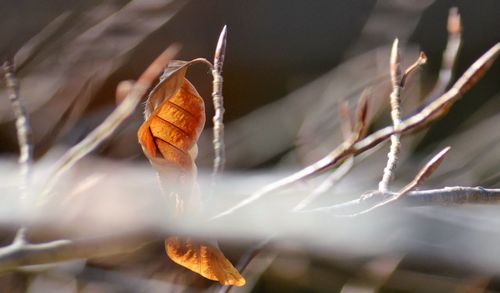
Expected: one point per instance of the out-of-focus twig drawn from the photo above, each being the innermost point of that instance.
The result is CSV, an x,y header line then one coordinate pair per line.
x,y
111,123
449,55
361,125
246,259
327,184
44,37
345,120
426,115
24,254
218,100
23,129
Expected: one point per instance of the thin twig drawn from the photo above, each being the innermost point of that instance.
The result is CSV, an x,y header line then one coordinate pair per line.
x,y
327,184
111,123
218,100
246,259
361,124
23,129
395,101
345,120
426,115
449,55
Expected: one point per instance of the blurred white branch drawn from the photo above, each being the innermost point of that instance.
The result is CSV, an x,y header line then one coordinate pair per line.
x,y
433,197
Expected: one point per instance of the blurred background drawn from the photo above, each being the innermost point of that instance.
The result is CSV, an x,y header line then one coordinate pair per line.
x,y
289,65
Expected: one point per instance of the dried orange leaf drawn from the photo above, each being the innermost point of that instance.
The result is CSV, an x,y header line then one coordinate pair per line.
x,y
175,116
174,119
203,259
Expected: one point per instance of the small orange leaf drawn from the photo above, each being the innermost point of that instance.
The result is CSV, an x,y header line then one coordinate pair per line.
x,y
203,259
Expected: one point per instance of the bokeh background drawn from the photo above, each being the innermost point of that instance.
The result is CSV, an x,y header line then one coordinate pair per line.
x,y
289,65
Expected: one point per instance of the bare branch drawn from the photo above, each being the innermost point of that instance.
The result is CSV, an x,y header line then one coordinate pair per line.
x,y
218,100
426,115
111,123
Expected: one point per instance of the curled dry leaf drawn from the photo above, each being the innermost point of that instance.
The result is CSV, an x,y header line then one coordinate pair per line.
x,y
175,116
204,259
174,119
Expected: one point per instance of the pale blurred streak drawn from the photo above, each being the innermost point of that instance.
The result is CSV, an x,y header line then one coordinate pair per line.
x,y
100,197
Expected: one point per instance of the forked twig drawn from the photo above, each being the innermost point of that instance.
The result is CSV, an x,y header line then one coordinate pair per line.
x,y
398,81
430,113
111,123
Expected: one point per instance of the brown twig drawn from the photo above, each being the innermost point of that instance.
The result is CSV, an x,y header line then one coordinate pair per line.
x,y
218,100
361,125
111,123
449,55
426,115
345,120
425,172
